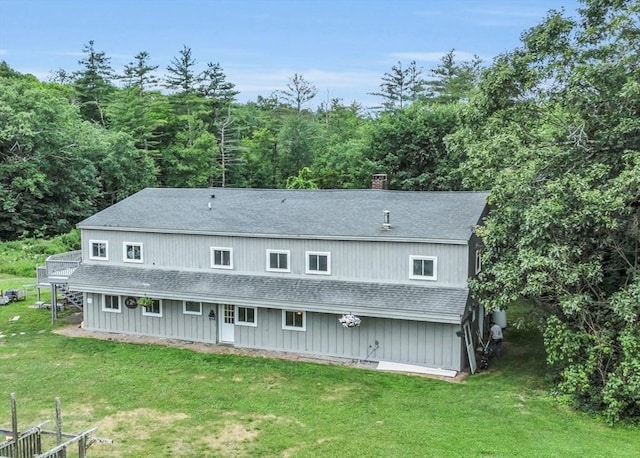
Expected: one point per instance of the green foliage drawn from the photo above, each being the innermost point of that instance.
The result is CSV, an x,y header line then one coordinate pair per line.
x,y
20,257
47,180
191,160
553,132
92,83
145,396
400,86
452,82
304,180
299,91
299,140
142,115
409,145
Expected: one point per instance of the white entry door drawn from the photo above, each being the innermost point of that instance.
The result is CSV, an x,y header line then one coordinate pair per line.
x,y
227,314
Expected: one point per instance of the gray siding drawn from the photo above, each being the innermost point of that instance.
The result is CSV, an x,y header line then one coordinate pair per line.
x,y
420,343
350,260
411,342
174,324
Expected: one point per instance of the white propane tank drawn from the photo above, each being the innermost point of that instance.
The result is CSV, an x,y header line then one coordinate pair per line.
x,y
500,318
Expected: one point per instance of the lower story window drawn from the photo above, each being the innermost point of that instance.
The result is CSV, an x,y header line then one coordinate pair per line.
x,y
154,309
111,303
246,316
192,308
294,320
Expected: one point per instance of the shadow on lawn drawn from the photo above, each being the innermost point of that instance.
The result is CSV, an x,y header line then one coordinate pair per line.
x,y
524,359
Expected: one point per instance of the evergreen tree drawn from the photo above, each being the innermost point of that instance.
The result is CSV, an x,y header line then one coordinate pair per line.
x,y
299,91
401,86
140,73
219,93
181,77
93,83
453,82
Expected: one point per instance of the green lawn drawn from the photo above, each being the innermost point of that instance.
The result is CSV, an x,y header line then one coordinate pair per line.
x,y
158,402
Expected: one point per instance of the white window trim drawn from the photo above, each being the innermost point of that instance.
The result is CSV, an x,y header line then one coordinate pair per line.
x,y
478,261
106,249
294,328
158,315
189,312
213,257
423,277
109,310
124,252
317,272
287,252
246,323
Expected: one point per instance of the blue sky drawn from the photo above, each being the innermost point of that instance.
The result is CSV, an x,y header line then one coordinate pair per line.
x,y
343,47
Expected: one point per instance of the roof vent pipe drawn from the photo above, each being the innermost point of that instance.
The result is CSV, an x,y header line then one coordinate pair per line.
x,y
386,221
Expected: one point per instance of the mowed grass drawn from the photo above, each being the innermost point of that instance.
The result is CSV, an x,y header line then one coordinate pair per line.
x,y
155,401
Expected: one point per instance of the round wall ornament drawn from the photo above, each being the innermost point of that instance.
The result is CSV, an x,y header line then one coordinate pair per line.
x,y
131,302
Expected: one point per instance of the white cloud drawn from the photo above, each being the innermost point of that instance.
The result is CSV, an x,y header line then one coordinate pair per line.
x,y
265,81
435,56
3,52
517,12
69,53
507,16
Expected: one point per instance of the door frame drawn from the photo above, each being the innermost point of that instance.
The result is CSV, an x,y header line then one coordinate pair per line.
x,y
226,323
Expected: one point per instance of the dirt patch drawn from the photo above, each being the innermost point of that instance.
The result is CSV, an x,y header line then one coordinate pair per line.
x,y
337,393
142,421
231,437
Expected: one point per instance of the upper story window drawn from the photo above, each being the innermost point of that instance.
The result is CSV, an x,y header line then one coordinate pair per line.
x,y
154,309
478,261
132,252
221,258
278,261
246,316
423,267
294,320
318,263
110,303
192,308
99,250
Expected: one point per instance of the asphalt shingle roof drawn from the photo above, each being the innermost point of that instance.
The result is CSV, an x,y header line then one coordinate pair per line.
x,y
348,214
330,295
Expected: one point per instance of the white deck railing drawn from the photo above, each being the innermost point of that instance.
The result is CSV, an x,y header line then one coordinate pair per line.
x,y
59,266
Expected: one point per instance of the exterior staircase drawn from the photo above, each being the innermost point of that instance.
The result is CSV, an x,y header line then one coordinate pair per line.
x,y
57,270
73,298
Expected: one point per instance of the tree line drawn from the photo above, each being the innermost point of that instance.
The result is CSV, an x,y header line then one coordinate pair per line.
x,y
109,135
551,128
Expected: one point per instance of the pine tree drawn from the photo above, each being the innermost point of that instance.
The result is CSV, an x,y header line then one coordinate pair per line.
x,y
139,73
93,83
299,91
401,86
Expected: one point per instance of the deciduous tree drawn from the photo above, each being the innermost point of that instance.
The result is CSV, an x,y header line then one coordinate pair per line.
x,y
555,133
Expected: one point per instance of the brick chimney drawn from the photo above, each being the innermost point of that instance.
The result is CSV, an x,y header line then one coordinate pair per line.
x,y
379,181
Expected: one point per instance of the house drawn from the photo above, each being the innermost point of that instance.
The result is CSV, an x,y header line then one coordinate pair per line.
x,y
277,269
